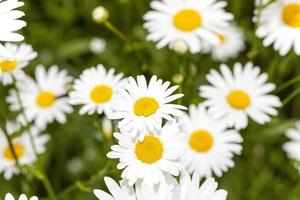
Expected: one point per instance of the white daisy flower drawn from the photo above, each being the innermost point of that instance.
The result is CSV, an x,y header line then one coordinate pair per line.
x,y
9,23
149,160
235,95
9,196
280,26
191,189
191,21
232,43
188,189
211,146
23,149
141,191
143,107
43,100
11,67
95,89
118,192
97,45
292,148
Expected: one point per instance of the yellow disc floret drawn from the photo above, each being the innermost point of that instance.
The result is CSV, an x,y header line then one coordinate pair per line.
x,y
201,141
238,99
187,20
145,106
150,150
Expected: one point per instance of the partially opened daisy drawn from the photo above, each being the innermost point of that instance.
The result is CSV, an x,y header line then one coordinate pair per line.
x,y
95,90
235,95
190,189
142,107
9,23
22,147
191,21
117,191
140,191
44,100
151,159
9,196
280,25
11,66
292,147
211,147
232,43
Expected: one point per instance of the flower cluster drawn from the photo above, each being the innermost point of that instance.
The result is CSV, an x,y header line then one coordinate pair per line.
x,y
158,141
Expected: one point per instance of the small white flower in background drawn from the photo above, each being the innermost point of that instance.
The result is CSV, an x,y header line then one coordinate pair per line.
x,y
97,45
153,158
107,127
142,107
292,147
9,23
235,95
95,89
23,149
180,47
11,67
279,24
100,14
191,189
191,21
9,196
211,147
44,99
232,43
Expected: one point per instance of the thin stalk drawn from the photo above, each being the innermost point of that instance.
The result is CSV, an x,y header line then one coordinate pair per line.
x,y
287,84
48,187
123,37
26,120
93,179
291,96
44,178
12,149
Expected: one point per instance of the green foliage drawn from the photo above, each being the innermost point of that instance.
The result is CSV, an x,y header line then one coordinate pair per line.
x,y
61,30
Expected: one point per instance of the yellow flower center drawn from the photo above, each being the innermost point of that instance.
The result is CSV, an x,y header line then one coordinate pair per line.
x,y
291,15
101,94
8,65
145,106
187,20
45,99
150,150
222,38
19,150
201,141
238,99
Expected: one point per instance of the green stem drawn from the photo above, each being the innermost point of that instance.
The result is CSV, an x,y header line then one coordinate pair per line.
x,y
117,32
287,84
123,37
44,178
93,179
291,96
48,186
12,149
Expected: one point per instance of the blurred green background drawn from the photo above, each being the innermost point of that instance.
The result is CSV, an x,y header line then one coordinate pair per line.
x,y
61,31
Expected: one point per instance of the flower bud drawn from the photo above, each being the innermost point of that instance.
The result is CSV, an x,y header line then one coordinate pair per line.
x,y
180,47
107,127
100,14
